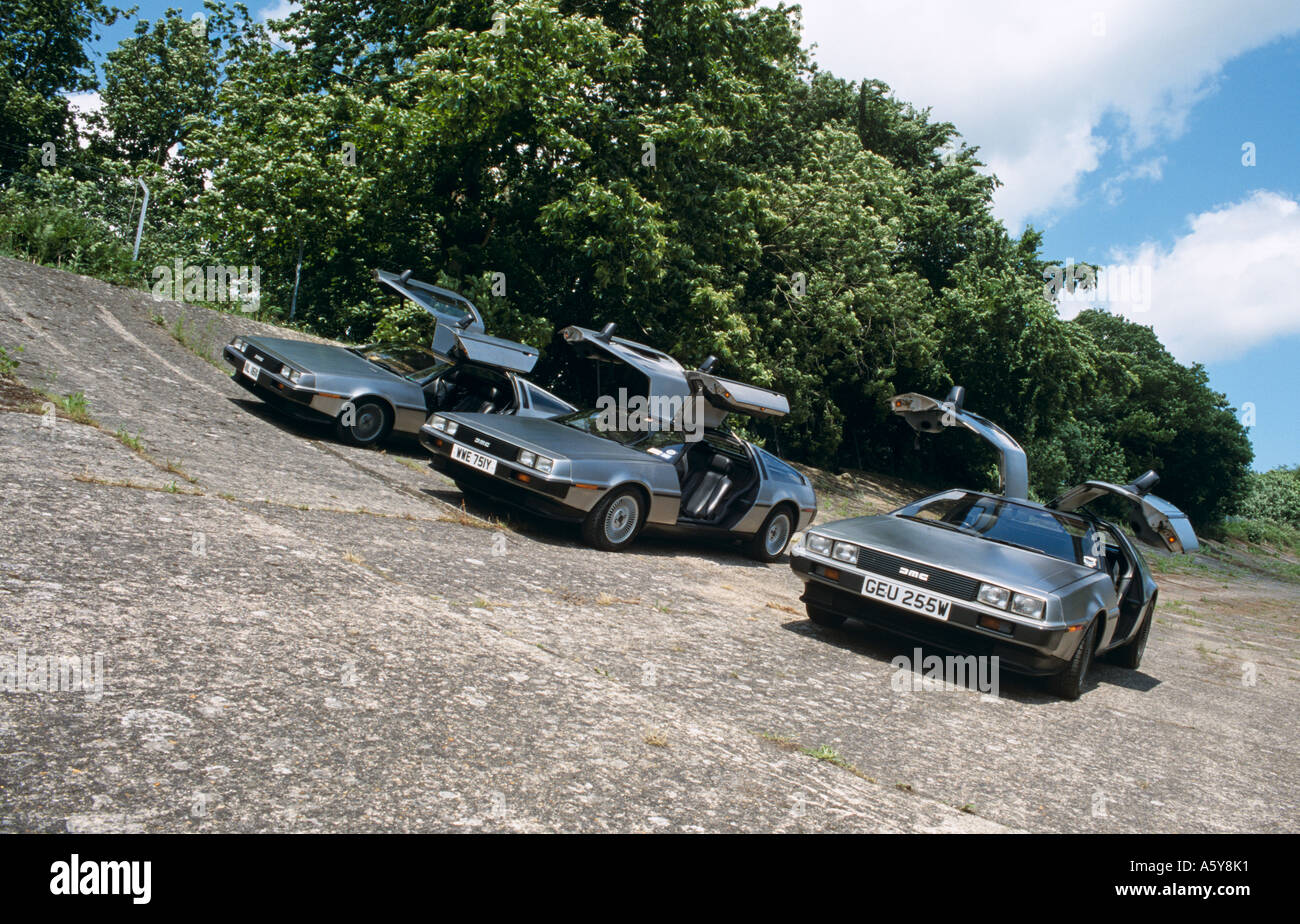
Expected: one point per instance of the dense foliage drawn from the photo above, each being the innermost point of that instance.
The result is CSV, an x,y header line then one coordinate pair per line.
x,y
678,168
1273,495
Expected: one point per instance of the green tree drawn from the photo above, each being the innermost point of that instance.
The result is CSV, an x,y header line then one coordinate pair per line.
x,y
42,57
1163,415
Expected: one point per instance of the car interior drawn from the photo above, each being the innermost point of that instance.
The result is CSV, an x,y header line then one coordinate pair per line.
x,y
471,389
718,482
1120,568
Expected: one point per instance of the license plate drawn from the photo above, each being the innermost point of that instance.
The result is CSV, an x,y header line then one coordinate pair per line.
x,y
474,460
909,598
251,370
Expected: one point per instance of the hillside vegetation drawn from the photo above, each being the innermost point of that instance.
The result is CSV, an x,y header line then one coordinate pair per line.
x,y
678,168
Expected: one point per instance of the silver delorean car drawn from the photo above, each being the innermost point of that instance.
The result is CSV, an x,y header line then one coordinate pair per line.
x,y
618,480
370,391
1044,587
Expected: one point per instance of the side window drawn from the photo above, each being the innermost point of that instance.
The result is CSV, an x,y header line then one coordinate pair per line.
x,y
546,403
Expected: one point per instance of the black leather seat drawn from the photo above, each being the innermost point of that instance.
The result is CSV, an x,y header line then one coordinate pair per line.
x,y
483,401
703,499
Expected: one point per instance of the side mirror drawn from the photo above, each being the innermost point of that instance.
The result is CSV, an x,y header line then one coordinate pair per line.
x,y
607,331
708,363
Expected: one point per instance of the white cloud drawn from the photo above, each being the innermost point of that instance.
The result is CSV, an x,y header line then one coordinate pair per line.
x,y
1112,188
1227,285
278,10
84,105
1030,82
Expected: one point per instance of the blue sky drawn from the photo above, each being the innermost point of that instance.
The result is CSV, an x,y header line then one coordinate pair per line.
x,y
1117,129
1256,99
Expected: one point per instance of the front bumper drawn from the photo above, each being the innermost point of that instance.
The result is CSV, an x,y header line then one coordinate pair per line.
x,y
282,394
511,482
1024,648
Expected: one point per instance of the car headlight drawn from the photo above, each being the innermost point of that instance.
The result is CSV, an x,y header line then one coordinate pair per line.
x,y
994,595
818,543
534,460
1025,605
845,551
452,427
438,422
238,344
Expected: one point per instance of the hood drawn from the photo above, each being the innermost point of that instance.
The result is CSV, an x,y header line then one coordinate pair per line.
x,y
317,358
941,548
543,435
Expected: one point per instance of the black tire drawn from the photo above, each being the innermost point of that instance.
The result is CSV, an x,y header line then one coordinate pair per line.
x,y
613,524
1129,655
371,422
1068,684
824,618
775,531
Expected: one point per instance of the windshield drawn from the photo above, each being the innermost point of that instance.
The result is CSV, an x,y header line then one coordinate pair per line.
x,y
999,519
414,363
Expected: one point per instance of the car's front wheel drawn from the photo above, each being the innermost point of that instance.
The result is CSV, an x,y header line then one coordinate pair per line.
x,y
770,541
614,522
364,422
1068,684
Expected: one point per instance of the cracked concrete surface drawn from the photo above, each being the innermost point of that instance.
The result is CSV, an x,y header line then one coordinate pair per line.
x,y
320,638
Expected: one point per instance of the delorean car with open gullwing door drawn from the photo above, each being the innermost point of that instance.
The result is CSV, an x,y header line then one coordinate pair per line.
x,y
1044,587
617,479
370,391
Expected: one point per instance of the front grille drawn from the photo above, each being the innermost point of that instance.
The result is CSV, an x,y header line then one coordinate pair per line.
x,y
944,582
473,438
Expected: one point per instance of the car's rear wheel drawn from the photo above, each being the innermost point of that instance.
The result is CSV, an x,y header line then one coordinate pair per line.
x,y
824,617
1129,655
772,537
614,522
363,423
1068,684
